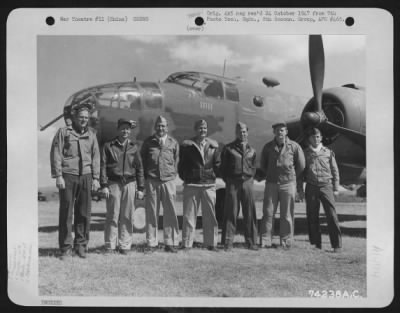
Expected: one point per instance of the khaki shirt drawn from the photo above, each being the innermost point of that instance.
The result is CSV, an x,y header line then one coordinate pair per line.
x,y
283,165
321,168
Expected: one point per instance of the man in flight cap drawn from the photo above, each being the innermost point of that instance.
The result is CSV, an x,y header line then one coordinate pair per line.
x,y
282,161
198,167
160,157
75,164
121,174
238,169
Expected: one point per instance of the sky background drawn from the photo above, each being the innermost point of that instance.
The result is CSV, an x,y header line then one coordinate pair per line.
x,y
67,64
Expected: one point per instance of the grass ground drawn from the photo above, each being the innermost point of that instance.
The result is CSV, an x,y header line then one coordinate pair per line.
x,y
202,273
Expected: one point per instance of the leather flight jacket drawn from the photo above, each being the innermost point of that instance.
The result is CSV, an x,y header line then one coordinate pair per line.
x,y
121,164
238,163
199,168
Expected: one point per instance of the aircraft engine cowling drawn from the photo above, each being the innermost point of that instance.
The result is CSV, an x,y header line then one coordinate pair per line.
x,y
343,106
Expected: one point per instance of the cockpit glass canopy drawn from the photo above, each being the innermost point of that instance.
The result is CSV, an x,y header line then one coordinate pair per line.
x,y
212,86
128,96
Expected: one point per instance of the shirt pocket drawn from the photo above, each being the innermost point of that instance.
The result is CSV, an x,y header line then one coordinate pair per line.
x,y
70,148
168,155
288,160
324,163
86,147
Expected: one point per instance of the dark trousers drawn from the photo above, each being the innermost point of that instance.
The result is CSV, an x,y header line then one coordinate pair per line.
x,y
75,199
239,192
324,194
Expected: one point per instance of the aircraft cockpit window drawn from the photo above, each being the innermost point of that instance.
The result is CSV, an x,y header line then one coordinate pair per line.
x,y
85,97
189,80
152,96
213,89
231,92
108,97
129,98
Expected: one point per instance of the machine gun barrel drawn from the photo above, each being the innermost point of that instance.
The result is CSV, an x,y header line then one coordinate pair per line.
x,y
51,122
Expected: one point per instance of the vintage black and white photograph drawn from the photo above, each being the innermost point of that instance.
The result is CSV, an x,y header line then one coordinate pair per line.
x,y
134,90
202,167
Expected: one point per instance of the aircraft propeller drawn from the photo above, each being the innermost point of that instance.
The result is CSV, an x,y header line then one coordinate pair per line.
x,y
317,117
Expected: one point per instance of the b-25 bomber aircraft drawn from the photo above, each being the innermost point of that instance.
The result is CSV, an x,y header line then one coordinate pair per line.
x,y
185,97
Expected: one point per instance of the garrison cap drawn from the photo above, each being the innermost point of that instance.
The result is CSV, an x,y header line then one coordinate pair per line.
x,y
160,119
122,121
241,125
199,123
280,123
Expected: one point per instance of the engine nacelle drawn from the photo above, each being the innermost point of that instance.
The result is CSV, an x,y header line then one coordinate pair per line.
x,y
343,106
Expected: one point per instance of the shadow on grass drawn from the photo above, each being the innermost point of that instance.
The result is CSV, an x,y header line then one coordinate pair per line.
x,y
98,220
138,248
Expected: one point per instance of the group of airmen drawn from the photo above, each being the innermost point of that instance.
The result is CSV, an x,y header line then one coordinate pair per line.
x,y
122,172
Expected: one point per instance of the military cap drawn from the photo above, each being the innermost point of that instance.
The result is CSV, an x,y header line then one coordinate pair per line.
x,y
241,125
122,121
199,123
280,123
160,119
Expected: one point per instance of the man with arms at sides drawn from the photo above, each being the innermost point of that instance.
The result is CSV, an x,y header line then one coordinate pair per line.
x,y
121,172
238,166
282,161
160,157
75,164
198,167
322,184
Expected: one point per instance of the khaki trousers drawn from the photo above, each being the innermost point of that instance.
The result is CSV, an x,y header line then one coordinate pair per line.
x,y
284,195
193,197
160,192
119,220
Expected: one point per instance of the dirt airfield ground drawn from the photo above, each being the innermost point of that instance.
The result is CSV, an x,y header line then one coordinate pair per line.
x,y
202,273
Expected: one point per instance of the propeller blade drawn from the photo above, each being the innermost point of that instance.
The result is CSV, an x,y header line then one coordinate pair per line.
x,y
51,122
317,67
357,137
295,128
